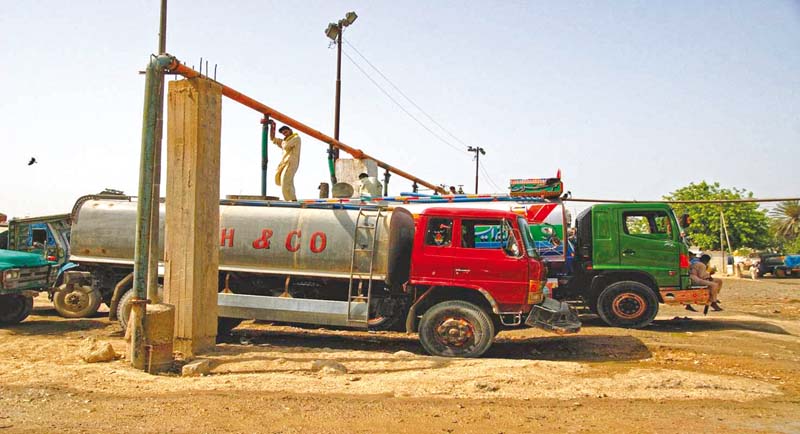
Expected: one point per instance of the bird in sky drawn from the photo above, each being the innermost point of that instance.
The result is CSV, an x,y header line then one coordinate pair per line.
x,y
32,162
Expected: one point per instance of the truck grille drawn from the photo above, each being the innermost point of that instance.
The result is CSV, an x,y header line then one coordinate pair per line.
x,y
30,278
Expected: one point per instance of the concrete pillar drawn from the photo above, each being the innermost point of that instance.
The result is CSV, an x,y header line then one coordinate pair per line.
x,y
348,169
192,212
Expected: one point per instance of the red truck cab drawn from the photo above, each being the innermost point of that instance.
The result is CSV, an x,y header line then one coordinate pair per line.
x,y
477,271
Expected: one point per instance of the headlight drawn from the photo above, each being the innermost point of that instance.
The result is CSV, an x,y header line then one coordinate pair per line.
x,y
12,274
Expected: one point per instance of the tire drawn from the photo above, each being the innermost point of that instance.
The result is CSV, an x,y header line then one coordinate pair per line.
x,y
76,301
456,329
14,308
779,273
627,304
387,314
124,308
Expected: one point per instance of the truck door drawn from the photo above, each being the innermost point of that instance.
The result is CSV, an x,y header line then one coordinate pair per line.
x,y
490,257
648,242
433,262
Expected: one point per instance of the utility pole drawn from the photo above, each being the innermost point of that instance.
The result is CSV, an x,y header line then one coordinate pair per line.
x,y
478,152
334,32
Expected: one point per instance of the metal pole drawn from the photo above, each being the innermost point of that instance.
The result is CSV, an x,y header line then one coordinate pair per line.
x,y
477,163
333,153
162,30
386,176
152,105
264,153
722,243
153,253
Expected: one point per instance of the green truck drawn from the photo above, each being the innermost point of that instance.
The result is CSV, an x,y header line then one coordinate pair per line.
x,y
627,259
22,276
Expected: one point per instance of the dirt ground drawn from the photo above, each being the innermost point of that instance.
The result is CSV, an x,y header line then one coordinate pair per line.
x,y
730,372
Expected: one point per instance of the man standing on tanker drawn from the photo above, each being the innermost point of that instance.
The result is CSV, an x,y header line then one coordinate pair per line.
x,y
290,160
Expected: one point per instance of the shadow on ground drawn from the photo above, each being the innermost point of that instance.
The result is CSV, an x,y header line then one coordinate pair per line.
x,y
688,324
556,348
46,327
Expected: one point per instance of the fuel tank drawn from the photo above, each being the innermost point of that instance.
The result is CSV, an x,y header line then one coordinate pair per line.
x,y
270,238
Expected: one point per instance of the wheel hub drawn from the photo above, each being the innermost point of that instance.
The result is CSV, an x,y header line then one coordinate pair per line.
x,y
77,300
455,332
628,305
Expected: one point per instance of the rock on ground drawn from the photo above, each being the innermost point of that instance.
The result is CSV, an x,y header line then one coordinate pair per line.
x,y
196,368
94,351
328,366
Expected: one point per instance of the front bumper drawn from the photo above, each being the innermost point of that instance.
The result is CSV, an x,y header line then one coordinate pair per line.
x,y
555,316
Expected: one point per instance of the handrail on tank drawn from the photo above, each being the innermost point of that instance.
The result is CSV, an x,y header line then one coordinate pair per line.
x,y
177,68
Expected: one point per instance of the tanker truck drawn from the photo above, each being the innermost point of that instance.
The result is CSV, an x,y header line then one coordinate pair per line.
x,y
355,266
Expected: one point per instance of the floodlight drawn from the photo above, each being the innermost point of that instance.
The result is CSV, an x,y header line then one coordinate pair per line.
x,y
332,31
349,18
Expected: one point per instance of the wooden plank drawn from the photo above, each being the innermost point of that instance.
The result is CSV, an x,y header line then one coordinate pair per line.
x,y
192,211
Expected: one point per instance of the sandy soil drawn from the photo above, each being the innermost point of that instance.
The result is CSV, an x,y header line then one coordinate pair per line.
x,y
734,371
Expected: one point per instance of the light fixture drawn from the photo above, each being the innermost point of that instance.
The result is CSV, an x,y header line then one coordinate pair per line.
x,y
349,18
332,31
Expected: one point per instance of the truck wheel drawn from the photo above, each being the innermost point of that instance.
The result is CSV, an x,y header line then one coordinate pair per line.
x,y
76,301
456,329
780,273
628,304
387,314
124,308
14,308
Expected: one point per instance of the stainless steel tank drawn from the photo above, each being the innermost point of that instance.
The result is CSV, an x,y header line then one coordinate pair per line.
x,y
260,238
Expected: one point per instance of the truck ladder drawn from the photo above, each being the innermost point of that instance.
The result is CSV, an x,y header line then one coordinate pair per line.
x,y
367,247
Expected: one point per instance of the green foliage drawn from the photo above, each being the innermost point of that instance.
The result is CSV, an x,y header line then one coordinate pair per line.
x,y
792,246
786,220
748,225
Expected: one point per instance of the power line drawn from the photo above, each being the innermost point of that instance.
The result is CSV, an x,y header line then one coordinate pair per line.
x,y
400,106
413,103
489,178
404,95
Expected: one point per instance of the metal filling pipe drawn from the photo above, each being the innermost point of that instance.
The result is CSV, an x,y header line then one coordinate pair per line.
x,y
264,153
177,68
152,106
153,253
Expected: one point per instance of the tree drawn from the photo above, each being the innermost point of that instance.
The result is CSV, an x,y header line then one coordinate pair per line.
x,y
786,225
786,219
748,225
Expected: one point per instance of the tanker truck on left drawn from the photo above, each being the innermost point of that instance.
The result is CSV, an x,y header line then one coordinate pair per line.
x,y
354,266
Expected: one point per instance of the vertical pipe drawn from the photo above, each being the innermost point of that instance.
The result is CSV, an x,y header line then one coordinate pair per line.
x,y
722,241
162,29
386,176
144,209
264,152
154,253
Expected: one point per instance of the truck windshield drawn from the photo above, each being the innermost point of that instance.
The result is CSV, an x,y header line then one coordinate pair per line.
x,y
527,238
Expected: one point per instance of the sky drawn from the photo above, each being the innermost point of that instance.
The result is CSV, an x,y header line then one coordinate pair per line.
x,y
631,100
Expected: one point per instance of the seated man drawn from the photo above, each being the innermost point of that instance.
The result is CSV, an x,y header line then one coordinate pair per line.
x,y
370,186
698,273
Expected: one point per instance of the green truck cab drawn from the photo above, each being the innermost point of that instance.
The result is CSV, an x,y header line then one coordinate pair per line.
x,y
22,276
628,259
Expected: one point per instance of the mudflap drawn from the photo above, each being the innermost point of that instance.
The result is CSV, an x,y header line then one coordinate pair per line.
x,y
555,316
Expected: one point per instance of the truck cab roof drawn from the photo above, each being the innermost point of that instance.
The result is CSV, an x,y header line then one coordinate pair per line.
x,y
469,212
